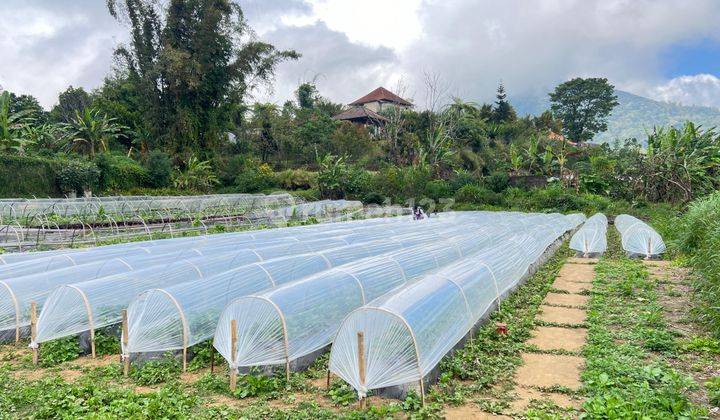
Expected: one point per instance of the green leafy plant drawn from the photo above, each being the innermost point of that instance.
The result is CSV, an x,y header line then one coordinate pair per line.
x,y
157,371
58,351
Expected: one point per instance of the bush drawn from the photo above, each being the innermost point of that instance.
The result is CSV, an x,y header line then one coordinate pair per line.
x,y
119,173
255,178
22,176
438,189
401,184
297,179
498,181
77,176
159,170
473,194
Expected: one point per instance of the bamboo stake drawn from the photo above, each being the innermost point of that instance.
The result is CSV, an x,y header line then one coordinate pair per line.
x,y
422,392
327,382
212,359
125,333
233,351
361,362
33,330
184,359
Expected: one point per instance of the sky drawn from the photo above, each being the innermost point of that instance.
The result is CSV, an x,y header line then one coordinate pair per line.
x,y
667,50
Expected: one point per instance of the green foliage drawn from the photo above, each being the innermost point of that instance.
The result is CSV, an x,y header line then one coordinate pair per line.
x,y
197,176
622,381
190,96
337,179
498,181
70,102
77,176
438,189
583,105
22,176
119,173
713,389
159,169
255,178
106,343
58,351
157,371
297,179
342,394
256,385
12,123
90,131
475,194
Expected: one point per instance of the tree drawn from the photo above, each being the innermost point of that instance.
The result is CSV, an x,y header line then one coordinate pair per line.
x,y
193,62
503,111
12,125
583,106
262,123
70,102
90,131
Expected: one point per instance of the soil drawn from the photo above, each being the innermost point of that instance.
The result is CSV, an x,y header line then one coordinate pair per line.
x,y
571,286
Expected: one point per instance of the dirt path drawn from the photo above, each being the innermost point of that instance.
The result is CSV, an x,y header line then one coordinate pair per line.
x,y
551,362
674,287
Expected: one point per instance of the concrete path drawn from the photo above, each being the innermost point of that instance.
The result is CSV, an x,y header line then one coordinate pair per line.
x,y
559,339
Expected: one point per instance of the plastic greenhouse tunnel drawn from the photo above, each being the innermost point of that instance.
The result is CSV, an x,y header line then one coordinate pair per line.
x,y
78,307
591,239
298,319
638,239
185,314
405,333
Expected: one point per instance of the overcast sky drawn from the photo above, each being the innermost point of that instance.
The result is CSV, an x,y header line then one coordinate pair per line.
x,y
663,49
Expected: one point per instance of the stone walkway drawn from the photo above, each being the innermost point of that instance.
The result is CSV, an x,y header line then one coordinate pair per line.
x,y
553,372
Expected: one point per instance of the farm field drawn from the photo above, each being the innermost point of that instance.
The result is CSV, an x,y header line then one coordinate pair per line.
x,y
590,338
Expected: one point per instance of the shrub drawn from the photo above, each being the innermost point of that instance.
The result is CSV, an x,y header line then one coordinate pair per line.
x,y
159,169
119,173
255,178
497,181
197,176
474,194
297,179
77,176
438,189
22,176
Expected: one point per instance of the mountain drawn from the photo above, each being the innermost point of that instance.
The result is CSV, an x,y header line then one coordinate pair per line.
x,y
635,116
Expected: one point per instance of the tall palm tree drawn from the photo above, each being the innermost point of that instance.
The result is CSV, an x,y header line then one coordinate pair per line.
x,y
90,131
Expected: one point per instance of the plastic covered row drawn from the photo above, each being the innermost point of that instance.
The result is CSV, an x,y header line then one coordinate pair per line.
x,y
591,238
186,314
85,306
405,333
638,238
300,318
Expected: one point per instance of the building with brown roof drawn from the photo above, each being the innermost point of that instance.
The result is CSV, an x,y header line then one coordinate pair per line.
x,y
367,109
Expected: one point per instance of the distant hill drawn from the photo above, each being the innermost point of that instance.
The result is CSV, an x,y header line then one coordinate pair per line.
x,y
635,116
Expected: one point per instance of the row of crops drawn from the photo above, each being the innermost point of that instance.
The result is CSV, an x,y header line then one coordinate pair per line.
x,y
388,296
26,223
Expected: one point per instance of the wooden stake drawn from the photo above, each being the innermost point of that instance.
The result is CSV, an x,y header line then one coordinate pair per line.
x,y
125,338
233,355
33,329
212,359
361,361
327,382
422,392
184,359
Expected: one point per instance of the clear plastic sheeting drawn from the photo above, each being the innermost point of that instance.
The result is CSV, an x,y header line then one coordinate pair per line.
x,y
638,238
77,307
299,318
406,332
186,314
591,238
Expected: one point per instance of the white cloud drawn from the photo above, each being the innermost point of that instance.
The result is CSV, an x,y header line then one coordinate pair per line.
x,y
699,89
356,45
